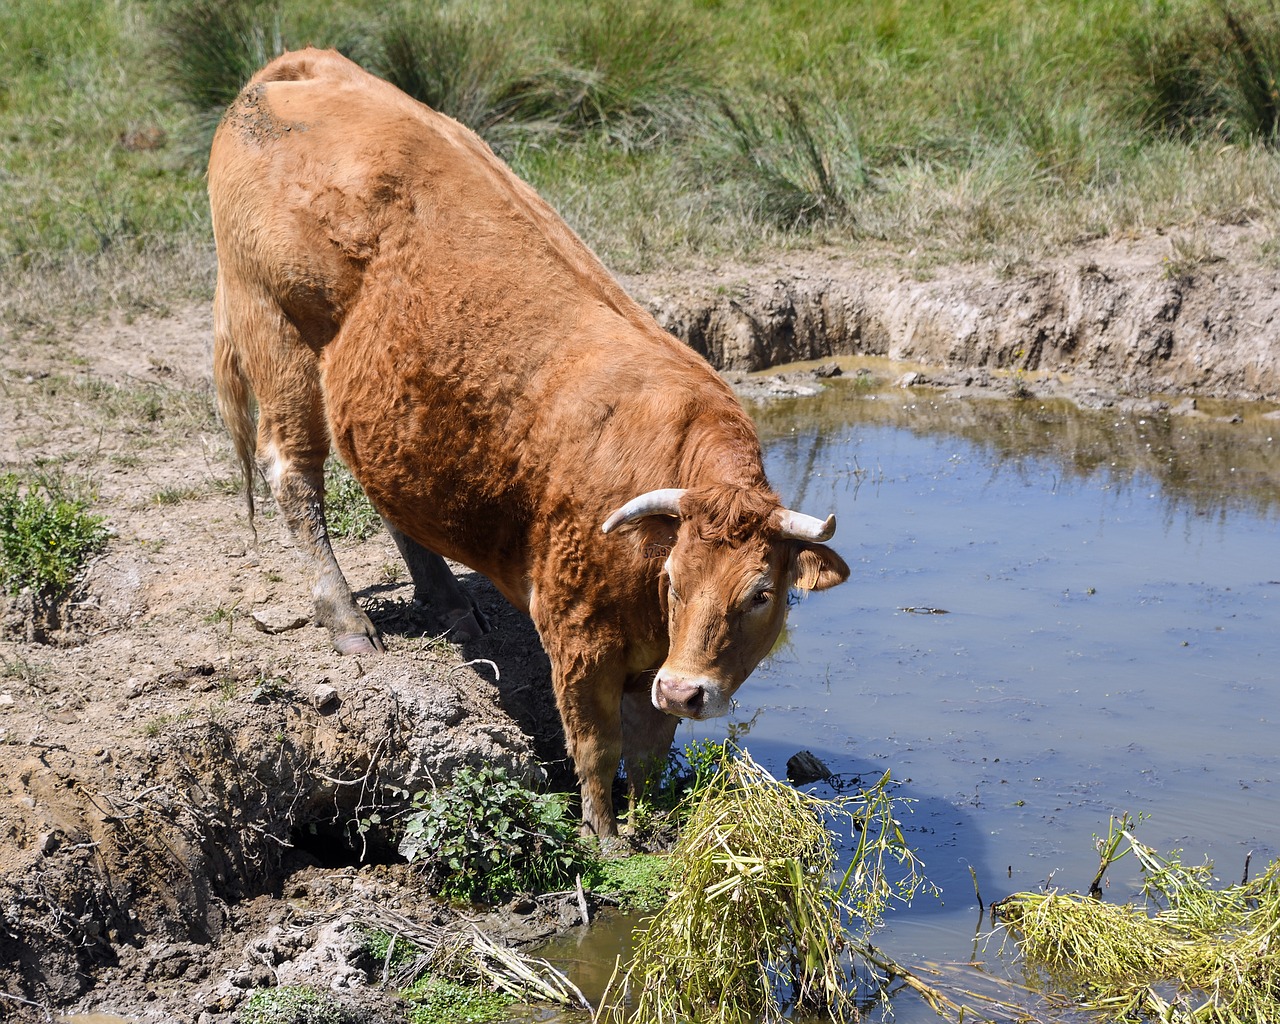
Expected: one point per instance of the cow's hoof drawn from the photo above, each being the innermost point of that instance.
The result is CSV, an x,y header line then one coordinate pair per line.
x,y
469,625
357,643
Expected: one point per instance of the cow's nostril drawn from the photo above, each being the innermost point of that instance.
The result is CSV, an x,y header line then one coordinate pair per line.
x,y
696,702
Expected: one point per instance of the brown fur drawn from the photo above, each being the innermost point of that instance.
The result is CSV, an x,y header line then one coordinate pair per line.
x,y
387,285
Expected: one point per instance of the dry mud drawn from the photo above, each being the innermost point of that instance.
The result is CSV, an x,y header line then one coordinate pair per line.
x,y
183,759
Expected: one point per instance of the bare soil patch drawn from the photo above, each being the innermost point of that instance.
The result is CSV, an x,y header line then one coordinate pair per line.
x,y
183,757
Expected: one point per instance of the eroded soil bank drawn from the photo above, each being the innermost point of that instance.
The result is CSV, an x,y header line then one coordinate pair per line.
x,y
183,760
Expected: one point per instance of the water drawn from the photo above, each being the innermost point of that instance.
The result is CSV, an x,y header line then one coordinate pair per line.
x,y
1053,616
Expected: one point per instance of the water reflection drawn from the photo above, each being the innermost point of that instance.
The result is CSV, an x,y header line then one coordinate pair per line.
x,y
1200,464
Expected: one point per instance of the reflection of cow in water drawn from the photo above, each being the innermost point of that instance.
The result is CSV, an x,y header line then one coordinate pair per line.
x,y
385,282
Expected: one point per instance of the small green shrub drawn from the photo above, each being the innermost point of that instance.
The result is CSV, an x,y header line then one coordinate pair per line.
x,y
445,1002
346,509
639,882
293,1004
487,837
44,538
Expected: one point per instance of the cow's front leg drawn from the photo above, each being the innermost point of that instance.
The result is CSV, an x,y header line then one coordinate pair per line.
x,y
434,584
591,709
646,743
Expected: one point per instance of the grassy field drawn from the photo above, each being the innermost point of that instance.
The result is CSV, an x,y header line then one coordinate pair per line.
x,y
987,130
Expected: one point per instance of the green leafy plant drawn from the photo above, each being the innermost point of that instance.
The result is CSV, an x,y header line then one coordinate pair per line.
x,y
45,537
293,1004
439,1001
486,837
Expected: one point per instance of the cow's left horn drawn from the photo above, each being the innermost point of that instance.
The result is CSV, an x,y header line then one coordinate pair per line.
x,y
797,526
664,502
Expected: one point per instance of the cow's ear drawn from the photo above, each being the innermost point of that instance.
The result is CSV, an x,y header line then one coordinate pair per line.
x,y
655,536
817,567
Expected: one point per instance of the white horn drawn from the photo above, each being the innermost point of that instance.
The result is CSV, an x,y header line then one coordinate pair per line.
x,y
664,502
797,526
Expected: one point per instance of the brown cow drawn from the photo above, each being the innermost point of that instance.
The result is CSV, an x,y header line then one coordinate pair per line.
x,y
387,285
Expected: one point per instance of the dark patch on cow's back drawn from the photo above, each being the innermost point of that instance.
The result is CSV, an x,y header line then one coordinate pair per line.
x,y
252,117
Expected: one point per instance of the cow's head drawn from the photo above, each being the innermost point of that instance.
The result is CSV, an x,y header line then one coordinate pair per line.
x,y
731,557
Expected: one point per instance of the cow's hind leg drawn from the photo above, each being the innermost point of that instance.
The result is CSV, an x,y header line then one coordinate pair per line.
x,y
647,734
258,349
434,584
297,482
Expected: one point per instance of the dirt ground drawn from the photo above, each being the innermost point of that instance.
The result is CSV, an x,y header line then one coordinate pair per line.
x,y
183,759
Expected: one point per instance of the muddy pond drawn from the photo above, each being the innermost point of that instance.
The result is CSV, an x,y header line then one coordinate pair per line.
x,y
1055,615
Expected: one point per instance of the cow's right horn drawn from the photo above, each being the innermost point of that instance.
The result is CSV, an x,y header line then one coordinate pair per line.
x,y
663,502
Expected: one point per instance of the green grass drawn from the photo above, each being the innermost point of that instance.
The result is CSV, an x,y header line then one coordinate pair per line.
x,y
347,510
639,882
697,129
438,1001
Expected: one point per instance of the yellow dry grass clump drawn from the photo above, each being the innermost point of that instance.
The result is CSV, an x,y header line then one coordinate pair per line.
x,y
759,921
1194,955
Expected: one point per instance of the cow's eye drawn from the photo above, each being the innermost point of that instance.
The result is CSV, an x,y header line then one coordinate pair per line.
x,y
761,598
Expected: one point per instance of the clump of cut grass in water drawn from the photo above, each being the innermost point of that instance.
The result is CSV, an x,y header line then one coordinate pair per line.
x,y
347,511
46,536
753,923
1193,955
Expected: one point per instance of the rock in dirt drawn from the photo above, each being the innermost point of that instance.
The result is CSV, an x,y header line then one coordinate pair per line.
x,y
278,618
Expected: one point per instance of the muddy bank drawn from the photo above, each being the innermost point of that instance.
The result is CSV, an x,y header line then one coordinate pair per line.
x,y
1122,316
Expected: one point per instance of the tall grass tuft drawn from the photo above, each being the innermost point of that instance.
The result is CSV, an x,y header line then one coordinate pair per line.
x,y
637,72
210,48
641,72
754,922
462,63
802,166
1213,70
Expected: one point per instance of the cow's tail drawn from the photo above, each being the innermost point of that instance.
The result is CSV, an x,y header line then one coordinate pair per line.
x,y
236,407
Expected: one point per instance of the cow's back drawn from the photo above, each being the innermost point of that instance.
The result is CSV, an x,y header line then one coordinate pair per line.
x,y
325,178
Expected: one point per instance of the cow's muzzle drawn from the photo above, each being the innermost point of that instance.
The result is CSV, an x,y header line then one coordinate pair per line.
x,y
689,696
